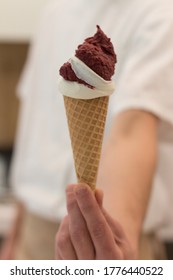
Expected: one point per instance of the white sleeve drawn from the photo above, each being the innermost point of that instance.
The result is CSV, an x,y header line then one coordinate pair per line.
x,y
146,78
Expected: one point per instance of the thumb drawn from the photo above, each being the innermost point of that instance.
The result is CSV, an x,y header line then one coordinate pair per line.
x,y
99,197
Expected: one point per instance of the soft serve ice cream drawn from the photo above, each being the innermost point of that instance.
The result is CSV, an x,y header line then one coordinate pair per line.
x,y
88,74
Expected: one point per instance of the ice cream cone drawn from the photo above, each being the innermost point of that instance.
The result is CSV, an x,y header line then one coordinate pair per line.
x,y
86,122
86,84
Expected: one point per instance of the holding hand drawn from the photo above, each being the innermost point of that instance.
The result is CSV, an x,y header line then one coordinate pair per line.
x,y
89,232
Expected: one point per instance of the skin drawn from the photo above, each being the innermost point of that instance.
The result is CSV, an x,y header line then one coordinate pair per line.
x,y
127,169
89,232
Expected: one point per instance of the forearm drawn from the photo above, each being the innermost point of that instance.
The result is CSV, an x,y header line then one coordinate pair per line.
x,y
126,174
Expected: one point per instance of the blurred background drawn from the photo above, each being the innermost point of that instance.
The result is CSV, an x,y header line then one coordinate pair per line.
x,y
18,21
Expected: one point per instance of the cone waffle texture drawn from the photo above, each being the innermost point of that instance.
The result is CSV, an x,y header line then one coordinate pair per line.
x,y
86,121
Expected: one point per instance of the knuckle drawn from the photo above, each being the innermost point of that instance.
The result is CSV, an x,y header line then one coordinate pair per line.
x,y
61,241
98,230
77,233
115,253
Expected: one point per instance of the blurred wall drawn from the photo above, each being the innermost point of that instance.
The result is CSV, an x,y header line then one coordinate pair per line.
x,y
12,58
18,21
18,18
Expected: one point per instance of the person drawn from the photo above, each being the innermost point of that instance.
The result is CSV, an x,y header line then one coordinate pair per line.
x,y
136,161
135,168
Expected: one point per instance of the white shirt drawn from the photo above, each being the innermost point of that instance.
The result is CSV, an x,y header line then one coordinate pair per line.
x,y
142,33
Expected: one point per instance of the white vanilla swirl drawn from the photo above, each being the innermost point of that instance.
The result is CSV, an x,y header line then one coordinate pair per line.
x,y
76,90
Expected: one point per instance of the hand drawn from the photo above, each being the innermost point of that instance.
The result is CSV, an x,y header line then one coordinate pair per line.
x,y
89,232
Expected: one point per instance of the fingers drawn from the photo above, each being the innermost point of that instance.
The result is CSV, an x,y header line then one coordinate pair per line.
x,y
99,197
115,226
97,225
89,232
64,248
78,230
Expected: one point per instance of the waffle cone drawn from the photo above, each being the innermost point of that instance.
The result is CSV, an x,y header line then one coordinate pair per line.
x,y
86,122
